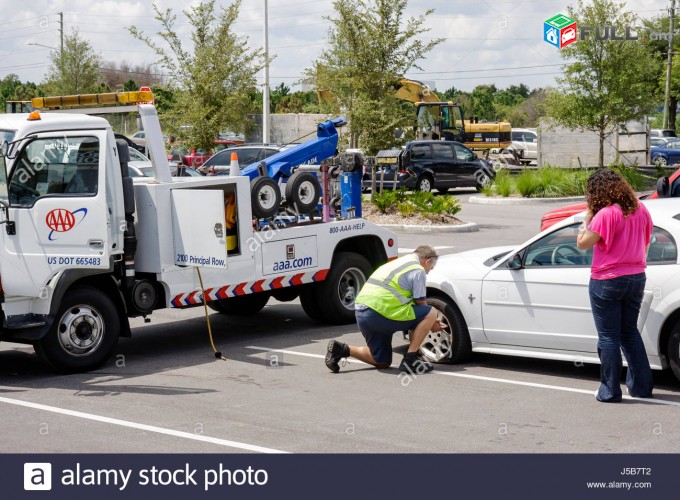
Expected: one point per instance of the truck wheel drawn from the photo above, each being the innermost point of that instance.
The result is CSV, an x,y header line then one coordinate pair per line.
x,y
674,351
84,332
451,345
310,304
348,274
265,197
303,192
424,184
245,305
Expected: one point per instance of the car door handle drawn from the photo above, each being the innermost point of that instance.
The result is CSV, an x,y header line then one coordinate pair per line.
x,y
96,244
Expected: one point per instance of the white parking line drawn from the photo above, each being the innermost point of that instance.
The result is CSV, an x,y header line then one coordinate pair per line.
x,y
481,377
143,427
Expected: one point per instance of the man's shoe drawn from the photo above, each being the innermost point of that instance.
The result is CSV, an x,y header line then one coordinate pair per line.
x,y
336,351
413,364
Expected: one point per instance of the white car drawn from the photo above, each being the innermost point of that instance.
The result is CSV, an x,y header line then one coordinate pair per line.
x,y
532,300
140,166
525,142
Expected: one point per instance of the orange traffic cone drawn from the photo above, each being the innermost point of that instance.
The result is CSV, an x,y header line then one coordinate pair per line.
x,y
234,168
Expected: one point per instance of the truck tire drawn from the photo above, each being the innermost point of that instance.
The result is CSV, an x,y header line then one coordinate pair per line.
x,y
265,197
245,305
335,296
303,192
84,332
310,304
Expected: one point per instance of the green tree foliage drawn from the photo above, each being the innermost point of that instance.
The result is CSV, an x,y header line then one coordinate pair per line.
x,y
75,70
13,89
659,47
482,100
606,82
371,45
216,77
517,104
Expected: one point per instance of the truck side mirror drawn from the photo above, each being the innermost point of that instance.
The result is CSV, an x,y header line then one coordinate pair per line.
x,y
662,187
515,262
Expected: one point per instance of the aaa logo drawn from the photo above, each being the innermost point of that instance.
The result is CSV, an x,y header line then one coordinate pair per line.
x,y
61,220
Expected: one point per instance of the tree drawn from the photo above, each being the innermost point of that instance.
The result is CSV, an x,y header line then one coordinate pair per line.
x,y
371,45
115,74
13,89
75,70
216,79
483,98
609,82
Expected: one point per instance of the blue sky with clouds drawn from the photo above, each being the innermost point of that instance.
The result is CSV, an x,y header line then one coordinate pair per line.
x,y
487,41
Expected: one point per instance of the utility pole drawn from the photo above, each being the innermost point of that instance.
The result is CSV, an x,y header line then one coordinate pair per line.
x,y
61,30
61,52
669,67
265,90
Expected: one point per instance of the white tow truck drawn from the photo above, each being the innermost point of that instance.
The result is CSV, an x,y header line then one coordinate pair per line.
x,y
83,248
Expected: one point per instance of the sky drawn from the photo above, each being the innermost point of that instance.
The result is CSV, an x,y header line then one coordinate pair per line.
x,y
486,41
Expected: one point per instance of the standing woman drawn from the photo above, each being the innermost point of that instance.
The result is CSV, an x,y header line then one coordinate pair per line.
x,y
620,228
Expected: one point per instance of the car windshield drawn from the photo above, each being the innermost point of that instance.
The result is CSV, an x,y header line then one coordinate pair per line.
x,y
137,156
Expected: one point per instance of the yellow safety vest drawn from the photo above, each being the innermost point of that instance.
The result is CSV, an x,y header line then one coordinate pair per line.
x,y
383,294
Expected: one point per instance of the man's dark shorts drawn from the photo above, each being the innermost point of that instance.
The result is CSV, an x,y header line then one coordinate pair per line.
x,y
378,330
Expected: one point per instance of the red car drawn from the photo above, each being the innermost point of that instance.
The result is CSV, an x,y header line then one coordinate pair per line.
x,y
196,158
665,188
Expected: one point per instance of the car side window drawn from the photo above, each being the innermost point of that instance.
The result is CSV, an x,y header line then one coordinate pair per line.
x,y
463,153
558,249
55,166
442,151
662,248
421,152
249,156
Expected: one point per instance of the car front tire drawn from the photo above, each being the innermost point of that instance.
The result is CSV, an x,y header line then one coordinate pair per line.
x,y
451,345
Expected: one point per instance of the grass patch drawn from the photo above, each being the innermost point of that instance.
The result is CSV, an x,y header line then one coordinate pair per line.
x,y
555,182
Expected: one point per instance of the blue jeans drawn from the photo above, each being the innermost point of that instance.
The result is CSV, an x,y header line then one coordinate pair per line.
x,y
616,306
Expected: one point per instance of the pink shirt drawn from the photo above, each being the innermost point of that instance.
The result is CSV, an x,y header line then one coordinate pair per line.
x,y
621,250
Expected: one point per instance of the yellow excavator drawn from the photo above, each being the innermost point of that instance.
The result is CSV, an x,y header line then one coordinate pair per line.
x,y
439,120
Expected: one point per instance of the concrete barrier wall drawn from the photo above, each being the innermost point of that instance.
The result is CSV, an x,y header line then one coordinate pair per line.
x,y
562,147
285,128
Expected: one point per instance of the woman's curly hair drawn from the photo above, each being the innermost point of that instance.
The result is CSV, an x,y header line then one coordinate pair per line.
x,y
606,187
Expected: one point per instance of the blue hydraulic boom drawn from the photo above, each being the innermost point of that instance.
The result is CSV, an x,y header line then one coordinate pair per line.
x,y
281,164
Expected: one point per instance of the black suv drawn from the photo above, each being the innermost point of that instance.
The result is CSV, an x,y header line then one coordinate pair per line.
x,y
428,165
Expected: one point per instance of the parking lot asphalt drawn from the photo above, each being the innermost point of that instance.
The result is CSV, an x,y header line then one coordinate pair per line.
x,y
164,391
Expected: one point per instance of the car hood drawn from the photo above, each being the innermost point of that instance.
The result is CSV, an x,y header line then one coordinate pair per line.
x,y
468,265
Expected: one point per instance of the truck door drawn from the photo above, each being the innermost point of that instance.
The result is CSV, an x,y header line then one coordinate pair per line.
x,y
58,203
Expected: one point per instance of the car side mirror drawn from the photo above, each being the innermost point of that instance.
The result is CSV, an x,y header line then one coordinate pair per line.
x,y
515,262
662,187
474,156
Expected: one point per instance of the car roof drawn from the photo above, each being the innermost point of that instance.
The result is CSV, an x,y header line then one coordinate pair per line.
x,y
663,209
430,141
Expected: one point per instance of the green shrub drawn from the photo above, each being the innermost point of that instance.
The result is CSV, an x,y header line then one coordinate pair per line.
x,y
423,200
383,201
406,208
503,183
450,204
400,195
631,174
529,183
